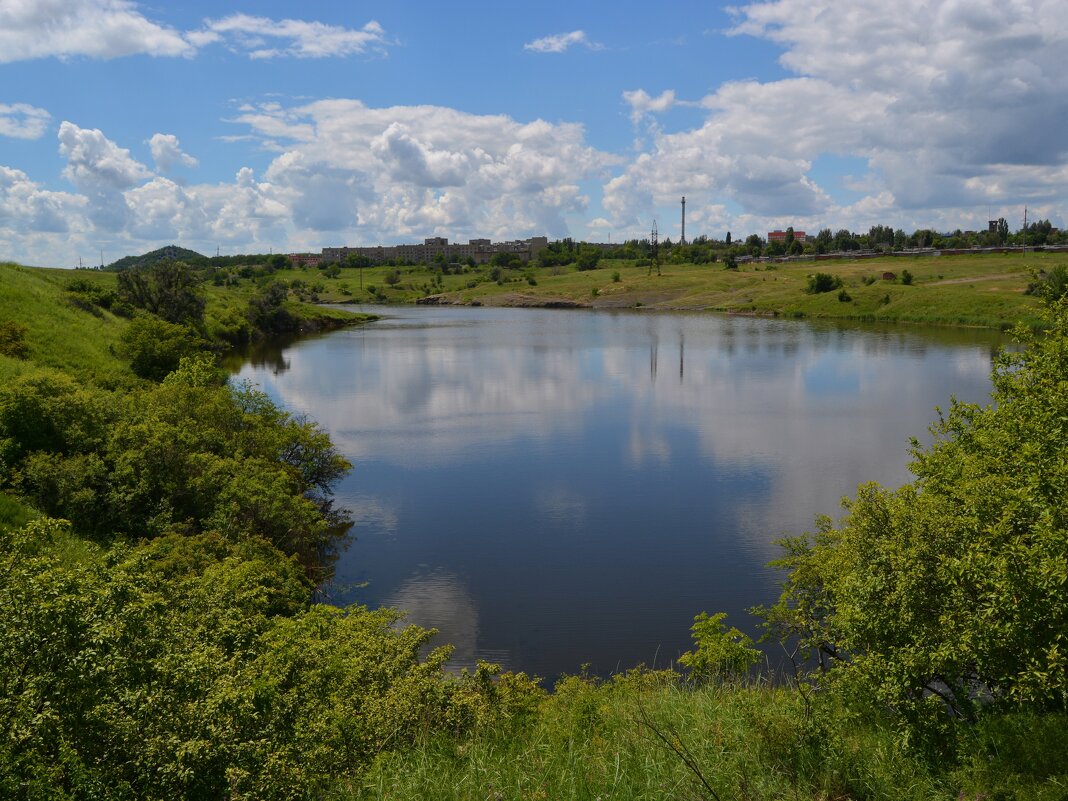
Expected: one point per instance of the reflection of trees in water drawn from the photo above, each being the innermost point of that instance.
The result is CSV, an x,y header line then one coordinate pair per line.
x,y
268,354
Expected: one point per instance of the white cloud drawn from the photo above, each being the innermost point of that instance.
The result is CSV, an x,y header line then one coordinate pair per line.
x,y
95,162
953,104
27,208
23,121
641,103
416,170
261,37
106,29
168,154
97,28
560,42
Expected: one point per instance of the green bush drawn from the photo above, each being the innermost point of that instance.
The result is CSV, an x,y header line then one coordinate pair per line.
x,y
722,653
13,340
943,600
155,347
193,667
823,282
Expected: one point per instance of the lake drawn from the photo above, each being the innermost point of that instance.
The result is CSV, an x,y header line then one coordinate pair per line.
x,y
558,488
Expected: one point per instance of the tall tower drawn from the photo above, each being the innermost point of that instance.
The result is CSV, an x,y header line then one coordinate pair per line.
x,y
683,237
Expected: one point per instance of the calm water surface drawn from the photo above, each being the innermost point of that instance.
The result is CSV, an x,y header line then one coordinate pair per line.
x,y
554,488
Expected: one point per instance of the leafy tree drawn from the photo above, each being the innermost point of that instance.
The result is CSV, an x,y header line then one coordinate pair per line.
x,y
168,289
589,258
266,309
946,597
155,347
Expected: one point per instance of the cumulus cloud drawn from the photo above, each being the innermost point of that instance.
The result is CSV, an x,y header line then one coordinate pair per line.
x,y
560,42
952,104
168,154
641,103
27,208
32,29
95,162
416,170
102,170
96,28
23,121
261,37
345,173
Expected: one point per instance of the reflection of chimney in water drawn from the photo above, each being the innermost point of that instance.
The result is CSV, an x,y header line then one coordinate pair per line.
x,y
682,352
652,358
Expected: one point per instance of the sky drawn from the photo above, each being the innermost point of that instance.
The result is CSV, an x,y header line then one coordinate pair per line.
x,y
289,127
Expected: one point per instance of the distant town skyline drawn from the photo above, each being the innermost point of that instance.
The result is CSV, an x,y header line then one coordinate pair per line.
x,y
125,126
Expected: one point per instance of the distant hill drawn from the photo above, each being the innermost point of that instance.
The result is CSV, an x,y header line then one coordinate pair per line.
x,y
168,253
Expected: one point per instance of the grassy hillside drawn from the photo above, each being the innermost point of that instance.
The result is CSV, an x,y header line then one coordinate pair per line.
x,y
60,334
69,334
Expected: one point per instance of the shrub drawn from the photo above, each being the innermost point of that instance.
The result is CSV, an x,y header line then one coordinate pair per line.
x,y
944,599
906,277
13,340
615,277
722,653
823,282
844,297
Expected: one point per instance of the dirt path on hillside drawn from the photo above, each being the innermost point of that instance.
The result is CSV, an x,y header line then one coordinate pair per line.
x,y
974,279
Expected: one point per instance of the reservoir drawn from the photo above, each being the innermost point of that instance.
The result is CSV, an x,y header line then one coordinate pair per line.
x,y
558,488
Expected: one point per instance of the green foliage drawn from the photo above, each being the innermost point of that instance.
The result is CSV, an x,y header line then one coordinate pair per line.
x,y
906,277
721,653
945,600
267,312
191,454
13,340
168,289
1050,285
616,277
193,668
822,282
50,412
154,347
589,258
844,297
729,262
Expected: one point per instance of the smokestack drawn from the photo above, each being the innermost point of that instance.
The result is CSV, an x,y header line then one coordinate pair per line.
x,y
683,238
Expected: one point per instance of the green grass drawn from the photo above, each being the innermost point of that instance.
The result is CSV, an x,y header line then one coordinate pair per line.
x,y
984,290
84,343
623,740
60,335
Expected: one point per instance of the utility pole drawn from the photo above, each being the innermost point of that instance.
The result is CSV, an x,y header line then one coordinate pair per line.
x,y
682,239
654,242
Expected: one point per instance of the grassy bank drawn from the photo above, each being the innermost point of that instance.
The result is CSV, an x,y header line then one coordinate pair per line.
x,y
975,290
650,736
67,332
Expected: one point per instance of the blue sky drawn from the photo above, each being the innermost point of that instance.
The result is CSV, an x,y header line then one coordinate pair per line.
x,y
125,126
